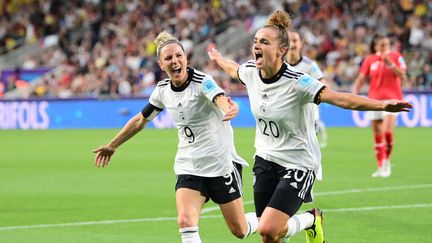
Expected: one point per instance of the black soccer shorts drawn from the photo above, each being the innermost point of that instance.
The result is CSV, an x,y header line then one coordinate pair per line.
x,y
221,189
280,188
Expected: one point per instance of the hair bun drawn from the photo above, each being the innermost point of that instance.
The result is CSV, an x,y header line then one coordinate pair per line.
x,y
280,18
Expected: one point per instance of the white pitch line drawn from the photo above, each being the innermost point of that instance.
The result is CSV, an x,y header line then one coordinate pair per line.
x,y
331,193
338,210
119,221
376,189
114,221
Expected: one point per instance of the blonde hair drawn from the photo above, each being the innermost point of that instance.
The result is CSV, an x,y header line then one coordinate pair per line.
x,y
164,38
281,21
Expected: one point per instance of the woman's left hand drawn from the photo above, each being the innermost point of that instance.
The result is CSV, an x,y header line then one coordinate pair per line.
x,y
397,105
233,110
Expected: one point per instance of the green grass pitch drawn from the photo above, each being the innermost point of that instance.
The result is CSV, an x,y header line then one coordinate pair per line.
x,y
50,190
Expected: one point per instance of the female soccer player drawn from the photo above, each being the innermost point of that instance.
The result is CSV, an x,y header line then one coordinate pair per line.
x,y
287,156
386,69
302,63
204,161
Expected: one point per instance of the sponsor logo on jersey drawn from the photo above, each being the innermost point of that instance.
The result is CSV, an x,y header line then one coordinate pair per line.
x,y
209,86
232,190
265,97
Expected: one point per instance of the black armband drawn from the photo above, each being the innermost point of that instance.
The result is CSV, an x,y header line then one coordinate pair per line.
x,y
217,96
150,111
317,99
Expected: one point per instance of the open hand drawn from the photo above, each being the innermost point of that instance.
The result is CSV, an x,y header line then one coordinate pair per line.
x,y
103,155
233,110
397,105
214,54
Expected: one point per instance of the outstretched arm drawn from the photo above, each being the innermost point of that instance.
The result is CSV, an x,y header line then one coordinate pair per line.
x,y
229,66
356,102
132,127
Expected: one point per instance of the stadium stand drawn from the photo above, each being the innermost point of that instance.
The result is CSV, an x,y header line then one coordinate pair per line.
x,y
105,49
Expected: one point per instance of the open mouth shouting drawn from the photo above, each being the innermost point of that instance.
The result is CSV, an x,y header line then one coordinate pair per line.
x,y
258,58
176,71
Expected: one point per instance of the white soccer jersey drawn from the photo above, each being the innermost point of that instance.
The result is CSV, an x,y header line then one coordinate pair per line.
x,y
206,146
285,132
306,65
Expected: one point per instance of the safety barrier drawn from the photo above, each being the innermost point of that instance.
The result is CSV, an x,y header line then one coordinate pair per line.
x,y
93,113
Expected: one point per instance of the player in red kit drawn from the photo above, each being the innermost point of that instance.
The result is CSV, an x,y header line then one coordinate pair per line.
x,y
386,70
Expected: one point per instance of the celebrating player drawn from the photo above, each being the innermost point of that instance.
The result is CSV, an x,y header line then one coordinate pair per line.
x,y
206,164
386,69
287,157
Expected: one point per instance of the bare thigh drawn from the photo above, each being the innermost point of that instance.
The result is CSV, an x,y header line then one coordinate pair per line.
x,y
189,205
233,213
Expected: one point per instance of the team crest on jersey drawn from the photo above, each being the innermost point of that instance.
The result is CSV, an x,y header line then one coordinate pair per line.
x,y
209,86
264,109
305,80
182,117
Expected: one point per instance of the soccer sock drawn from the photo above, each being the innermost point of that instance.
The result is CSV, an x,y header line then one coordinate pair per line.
x,y
190,235
299,222
380,149
252,222
389,143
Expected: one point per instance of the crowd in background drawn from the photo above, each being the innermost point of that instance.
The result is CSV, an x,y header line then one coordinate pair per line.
x,y
106,48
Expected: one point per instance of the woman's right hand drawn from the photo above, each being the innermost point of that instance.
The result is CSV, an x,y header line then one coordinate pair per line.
x,y
103,155
214,54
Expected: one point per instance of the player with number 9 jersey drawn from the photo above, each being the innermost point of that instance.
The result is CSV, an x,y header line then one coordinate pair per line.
x,y
207,166
202,147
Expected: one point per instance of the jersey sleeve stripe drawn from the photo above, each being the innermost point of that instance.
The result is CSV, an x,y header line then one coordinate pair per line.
x,y
150,111
290,76
196,81
293,73
198,74
163,82
198,77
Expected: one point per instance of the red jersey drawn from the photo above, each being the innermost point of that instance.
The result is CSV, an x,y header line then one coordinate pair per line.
x,y
384,84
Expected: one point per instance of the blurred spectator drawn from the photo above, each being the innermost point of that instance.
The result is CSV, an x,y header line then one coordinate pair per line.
x,y
427,76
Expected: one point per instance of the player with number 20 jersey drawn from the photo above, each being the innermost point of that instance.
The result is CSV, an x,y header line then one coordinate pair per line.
x,y
284,131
